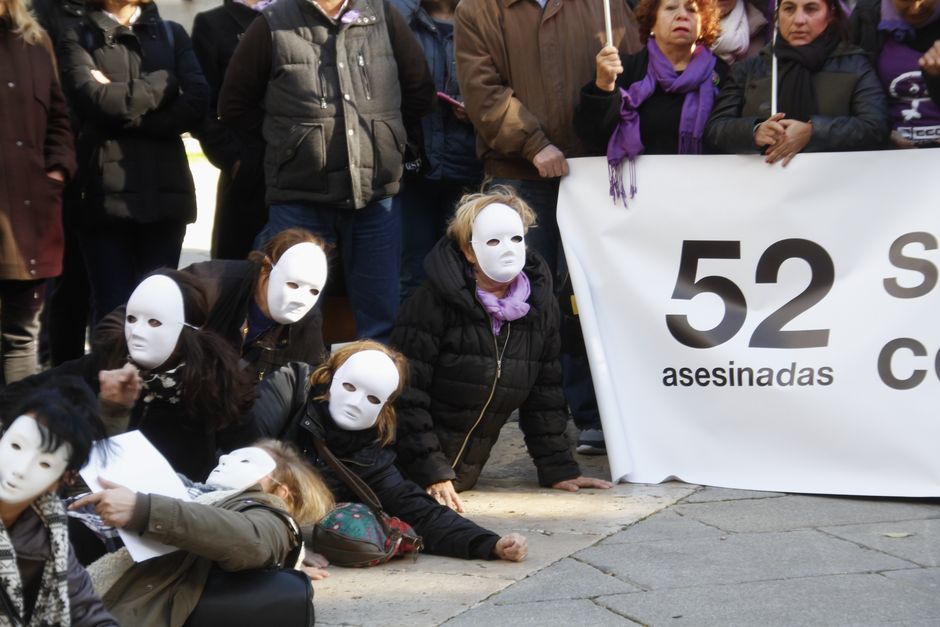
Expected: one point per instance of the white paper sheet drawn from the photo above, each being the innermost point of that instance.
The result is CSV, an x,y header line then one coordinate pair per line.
x,y
135,463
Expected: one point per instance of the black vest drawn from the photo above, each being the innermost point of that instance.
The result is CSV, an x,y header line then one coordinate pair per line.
x,y
332,125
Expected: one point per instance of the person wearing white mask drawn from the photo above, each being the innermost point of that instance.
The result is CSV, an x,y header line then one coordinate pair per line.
x,y
163,372
481,336
347,404
264,305
45,440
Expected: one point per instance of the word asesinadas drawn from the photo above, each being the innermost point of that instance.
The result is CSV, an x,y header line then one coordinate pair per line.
x,y
747,376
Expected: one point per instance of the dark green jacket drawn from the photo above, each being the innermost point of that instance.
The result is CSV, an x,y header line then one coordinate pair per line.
x,y
853,113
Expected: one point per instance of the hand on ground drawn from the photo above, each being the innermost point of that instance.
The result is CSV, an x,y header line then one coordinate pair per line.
x,y
445,494
573,485
512,548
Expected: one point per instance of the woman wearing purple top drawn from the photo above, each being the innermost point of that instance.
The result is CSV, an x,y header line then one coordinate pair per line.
x,y
898,34
481,338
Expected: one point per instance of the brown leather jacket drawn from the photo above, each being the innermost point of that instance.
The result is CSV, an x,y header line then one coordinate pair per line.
x,y
521,69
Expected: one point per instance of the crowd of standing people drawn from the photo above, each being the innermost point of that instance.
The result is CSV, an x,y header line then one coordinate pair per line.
x,y
389,177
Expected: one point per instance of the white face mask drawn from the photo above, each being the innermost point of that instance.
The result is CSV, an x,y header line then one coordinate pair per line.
x,y
26,470
295,282
360,388
498,241
155,319
241,468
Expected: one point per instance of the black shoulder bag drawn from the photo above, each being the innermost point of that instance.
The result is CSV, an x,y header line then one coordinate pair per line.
x,y
278,596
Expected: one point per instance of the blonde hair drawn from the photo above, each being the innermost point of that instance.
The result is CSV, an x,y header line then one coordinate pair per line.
x,y
460,227
25,24
324,376
308,499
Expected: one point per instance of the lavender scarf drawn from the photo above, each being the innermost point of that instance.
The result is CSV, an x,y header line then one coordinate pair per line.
x,y
696,82
511,307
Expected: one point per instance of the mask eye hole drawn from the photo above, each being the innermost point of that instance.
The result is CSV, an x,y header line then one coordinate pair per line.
x,y
492,242
245,461
314,291
349,387
44,465
373,399
516,239
292,285
131,319
15,446
153,322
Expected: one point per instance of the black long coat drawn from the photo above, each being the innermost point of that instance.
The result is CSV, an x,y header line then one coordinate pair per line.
x,y
465,381
132,164
240,210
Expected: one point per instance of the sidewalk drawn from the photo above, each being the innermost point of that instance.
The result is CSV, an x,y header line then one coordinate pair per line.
x,y
671,554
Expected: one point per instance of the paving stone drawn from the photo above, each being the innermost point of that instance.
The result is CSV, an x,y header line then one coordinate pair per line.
x,y
574,612
736,559
803,511
388,596
665,525
921,546
566,579
867,599
710,494
924,579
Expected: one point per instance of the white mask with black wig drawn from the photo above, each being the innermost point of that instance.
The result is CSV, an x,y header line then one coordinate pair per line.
x,y
154,319
295,282
242,468
26,469
360,389
498,242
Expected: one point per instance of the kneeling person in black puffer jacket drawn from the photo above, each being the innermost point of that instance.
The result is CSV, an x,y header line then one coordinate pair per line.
x,y
481,336
347,405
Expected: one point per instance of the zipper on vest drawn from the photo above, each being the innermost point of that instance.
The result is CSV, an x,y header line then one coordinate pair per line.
x,y
320,86
365,77
499,373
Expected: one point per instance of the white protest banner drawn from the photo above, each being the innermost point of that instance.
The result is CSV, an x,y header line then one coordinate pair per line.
x,y
766,328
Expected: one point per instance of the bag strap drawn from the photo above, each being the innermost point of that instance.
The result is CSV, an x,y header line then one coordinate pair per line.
x,y
294,555
351,479
171,39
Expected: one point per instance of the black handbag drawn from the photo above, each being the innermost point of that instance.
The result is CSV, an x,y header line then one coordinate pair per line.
x,y
259,597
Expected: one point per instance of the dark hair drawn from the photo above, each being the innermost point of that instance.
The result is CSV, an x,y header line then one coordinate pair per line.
x,y
708,11
838,20
68,412
215,389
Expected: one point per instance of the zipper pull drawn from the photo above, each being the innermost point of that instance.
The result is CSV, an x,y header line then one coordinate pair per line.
x,y
499,368
362,62
322,102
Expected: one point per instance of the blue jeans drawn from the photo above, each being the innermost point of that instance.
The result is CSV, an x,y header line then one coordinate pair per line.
x,y
119,255
426,206
368,241
542,196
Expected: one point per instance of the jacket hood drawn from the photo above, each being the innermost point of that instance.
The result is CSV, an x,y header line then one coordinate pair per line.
x,y
451,276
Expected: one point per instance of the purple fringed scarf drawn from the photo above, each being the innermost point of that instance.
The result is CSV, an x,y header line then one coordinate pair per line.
x,y
698,86
511,307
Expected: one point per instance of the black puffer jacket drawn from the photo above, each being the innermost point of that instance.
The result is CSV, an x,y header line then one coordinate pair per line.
x,y
853,113
286,410
460,393
132,164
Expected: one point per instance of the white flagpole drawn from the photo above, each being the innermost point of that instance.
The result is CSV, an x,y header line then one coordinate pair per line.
x,y
610,30
773,63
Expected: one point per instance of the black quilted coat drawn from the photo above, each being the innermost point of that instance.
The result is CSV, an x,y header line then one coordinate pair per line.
x,y
465,382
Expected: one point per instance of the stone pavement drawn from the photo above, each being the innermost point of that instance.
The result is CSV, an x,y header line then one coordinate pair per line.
x,y
670,554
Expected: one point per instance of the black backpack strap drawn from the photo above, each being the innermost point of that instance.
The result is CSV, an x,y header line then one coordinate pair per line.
x,y
294,555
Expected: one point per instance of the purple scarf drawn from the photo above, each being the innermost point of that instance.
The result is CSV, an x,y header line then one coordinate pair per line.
x,y
893,23
511,307
696,82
